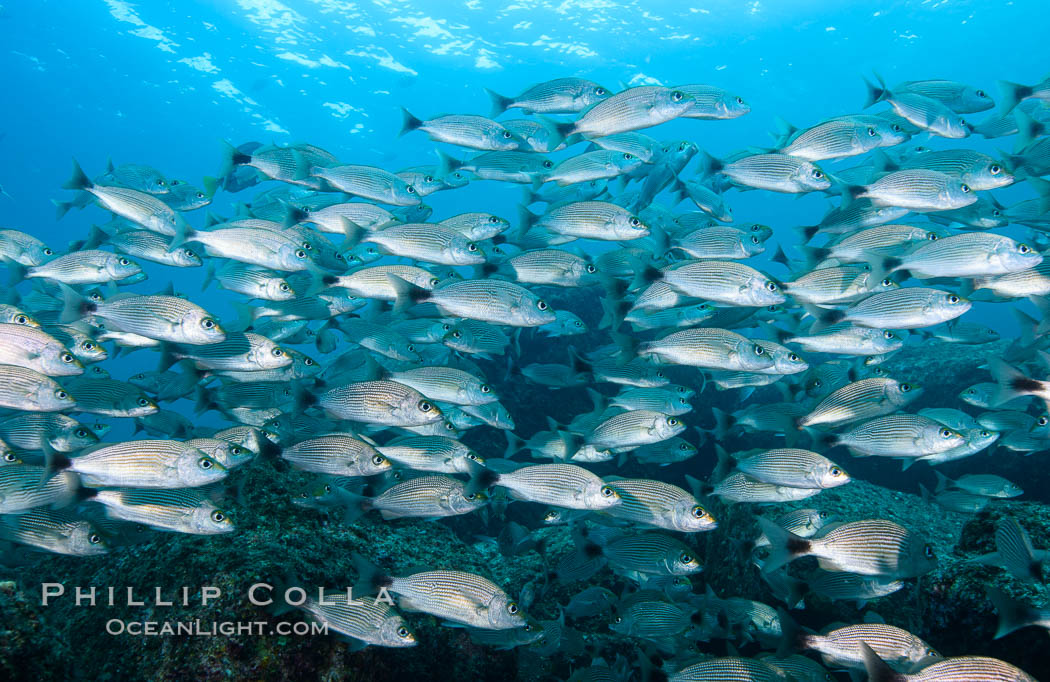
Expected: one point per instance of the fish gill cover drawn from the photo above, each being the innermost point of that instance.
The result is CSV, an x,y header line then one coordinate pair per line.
x,y
577,340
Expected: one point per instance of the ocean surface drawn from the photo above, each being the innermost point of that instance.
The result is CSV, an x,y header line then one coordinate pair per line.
x,y
165,84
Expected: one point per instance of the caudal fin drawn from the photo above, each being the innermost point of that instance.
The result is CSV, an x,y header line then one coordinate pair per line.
x,y
499,103
878,669
784,545
1013,93
408,294
409,122
1013,614
78,180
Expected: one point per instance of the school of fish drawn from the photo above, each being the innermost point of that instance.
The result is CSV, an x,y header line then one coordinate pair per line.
x,y
372,336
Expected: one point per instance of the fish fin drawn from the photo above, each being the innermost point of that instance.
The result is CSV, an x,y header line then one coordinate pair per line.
x,y
408,294
943,482
78,180
409,122
370,577
723,423
514,444
878,670
613,312
447,163
725,463
709,165
1012,383
211,185
784,545
499,103
95,238
481,480
876,93
1013,614
231,158
1013,93
209,275
823,317
74,306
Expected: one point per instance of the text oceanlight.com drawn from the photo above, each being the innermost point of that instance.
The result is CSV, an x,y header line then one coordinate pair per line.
x,y
198,628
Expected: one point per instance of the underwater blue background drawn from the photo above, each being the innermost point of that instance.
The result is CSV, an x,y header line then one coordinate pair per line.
x,y
164,83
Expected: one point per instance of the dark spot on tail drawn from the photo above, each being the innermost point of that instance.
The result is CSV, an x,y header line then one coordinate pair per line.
x,y
499,239
382,581
1037,572
810,231
592,550
60,462
489,268
651,274
239,158
798,546
697,618
329,280
1025,385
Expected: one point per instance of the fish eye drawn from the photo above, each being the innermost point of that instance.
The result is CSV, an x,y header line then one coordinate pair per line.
x,y
512,608
896,128
946,433
995,169
578,323
10,457
485,388
996,213
48,252
600,92
634,222
473,456
677,96
754,239
965,188
81,433
123,261
277,352
822,515
607,491
698,511
759,350
953,299
428,178
471,246
299,253
309,362
204,463
888,335
61,395
541,304
985,434
981,93
283,286
1024,248
686,558
208,323
424,406
217,516
22,319
327,488
793,358
402,632
887,282
739,100
818,174
627,156
378,460
772,286
94,538
143,402
836,472
684,446
671,421
410,189
67,358
591,269
905,388
871,132
371,250
411,348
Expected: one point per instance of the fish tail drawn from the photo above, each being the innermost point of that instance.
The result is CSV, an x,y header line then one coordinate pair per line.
x,y
563,129
579,365
709,165
74,306
232,158
447,163
822,317
62,208
555,137
1013,93
878,670
613,312
408,294
1012,383
514,445
784,545
481,480
1015,551
526,219
211,185
792,638
370,577
1013,614
78,180
723,422
725,463
876,93
499,103
183,233
808,231
409,122
209,276
355,506
94,238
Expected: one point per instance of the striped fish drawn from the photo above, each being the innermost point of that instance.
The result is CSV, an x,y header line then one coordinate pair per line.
x,y
239,351
868,547
847,339
426,242
560,485
1014,552
719,242
43,430
793,468
739,487
841,648
485,300
634,428
366,620
960,669
713,103
651,620
591,220
905,308
918,190
979,171
659,504
369,183
650,553
144,464
837,284
139,207
773,172
710,348
428,497
721,282
836,585
589,166
557,96
54,531
862,399
464,130
456,596
632,109
337,454
835,139
970,254
899,435
730,669
182,511
380,402
550,266
25,486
